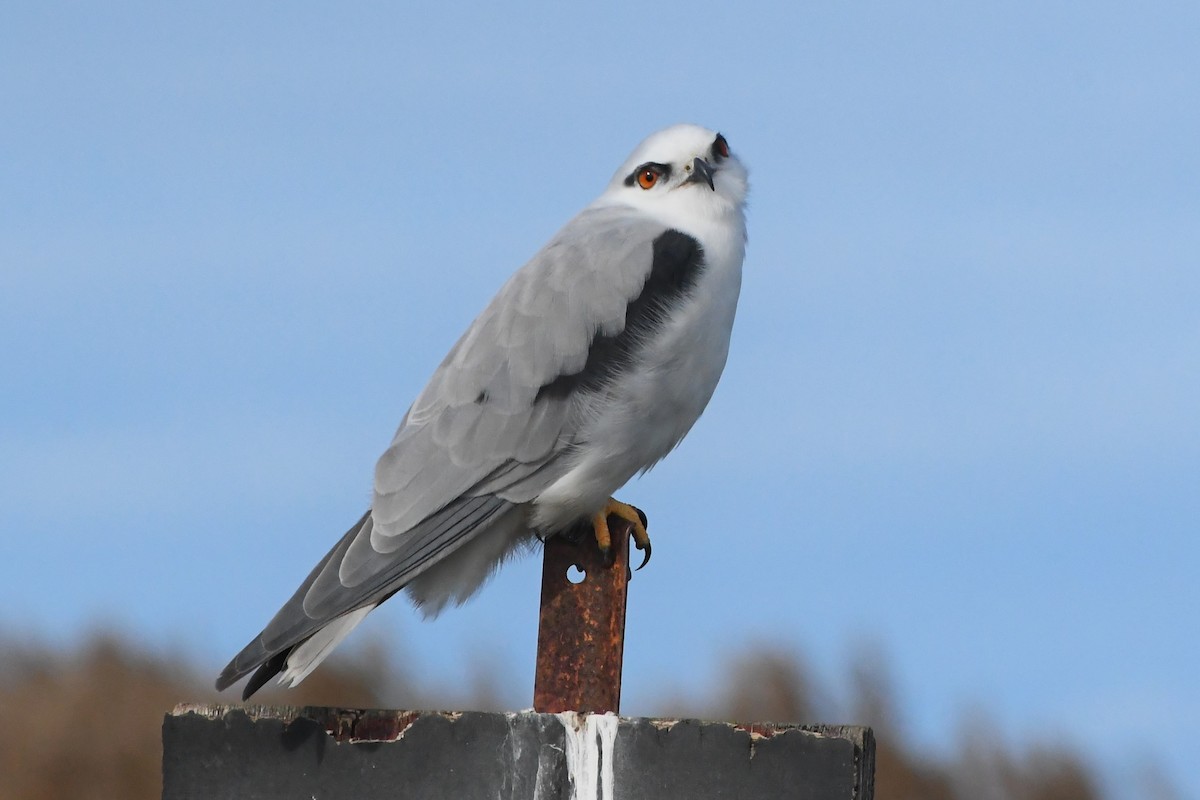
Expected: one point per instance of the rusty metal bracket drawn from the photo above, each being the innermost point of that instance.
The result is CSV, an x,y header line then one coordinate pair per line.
x,y
581,630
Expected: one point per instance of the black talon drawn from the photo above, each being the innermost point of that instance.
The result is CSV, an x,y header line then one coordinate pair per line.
x,y
645,526
642,516
646,550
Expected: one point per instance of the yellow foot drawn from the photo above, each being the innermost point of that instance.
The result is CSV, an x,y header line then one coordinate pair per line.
x,y
632,515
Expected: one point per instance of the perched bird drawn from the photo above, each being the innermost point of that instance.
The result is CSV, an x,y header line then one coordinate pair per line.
x,y
591,364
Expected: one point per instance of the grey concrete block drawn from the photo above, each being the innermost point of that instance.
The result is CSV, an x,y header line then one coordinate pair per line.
x,y
249,752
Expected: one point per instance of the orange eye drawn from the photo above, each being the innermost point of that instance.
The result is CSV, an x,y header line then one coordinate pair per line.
x,y
647,178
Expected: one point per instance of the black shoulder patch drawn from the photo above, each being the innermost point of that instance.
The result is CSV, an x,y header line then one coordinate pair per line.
x,y
677,263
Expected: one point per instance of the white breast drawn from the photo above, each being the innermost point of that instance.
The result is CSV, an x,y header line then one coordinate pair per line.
x,y
656,402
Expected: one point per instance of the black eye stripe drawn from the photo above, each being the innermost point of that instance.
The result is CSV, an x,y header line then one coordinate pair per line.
x,y
662,170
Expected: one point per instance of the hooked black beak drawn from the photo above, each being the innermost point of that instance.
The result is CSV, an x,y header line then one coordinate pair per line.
x,y
701,173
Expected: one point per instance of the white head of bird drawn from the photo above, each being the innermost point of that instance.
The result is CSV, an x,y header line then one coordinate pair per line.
x,y
687,176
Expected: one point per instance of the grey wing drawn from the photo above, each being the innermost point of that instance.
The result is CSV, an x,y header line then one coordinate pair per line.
x,y
485,424
485,435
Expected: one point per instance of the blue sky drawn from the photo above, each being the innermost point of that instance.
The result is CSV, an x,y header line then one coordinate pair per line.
x,y
960,415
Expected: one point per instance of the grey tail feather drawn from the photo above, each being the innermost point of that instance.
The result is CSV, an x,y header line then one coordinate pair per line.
x,y
292,625
268,661
269,669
